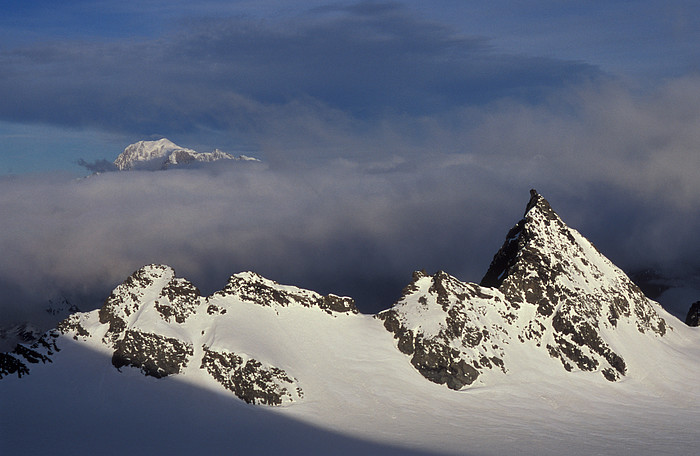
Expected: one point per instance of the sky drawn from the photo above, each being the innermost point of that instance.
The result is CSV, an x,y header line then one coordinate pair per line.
x,y
392,136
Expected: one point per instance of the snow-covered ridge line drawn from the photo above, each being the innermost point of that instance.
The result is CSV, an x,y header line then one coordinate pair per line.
x,y
549,303
162,325
164,154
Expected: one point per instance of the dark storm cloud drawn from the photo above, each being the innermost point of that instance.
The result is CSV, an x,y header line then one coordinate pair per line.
x,y
617,165
243,75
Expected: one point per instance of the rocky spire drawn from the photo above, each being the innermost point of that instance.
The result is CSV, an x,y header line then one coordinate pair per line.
x,y
573,288
547,288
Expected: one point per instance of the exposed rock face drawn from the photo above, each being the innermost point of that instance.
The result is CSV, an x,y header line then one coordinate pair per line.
x,y
11,364
178,300
249,379
693,317
140,288
547,287
155,355
573,289
73,324
19,359
22,333
154,320
252,287
452,330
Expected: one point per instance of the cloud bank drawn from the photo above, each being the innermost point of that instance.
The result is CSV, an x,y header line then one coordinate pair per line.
x,y
390,143
616,165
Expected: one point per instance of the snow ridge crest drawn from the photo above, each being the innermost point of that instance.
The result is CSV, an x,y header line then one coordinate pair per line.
x,y
163,154
549,297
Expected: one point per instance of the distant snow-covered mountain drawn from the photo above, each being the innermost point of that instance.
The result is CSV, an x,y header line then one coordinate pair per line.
x,y
164,154
556,351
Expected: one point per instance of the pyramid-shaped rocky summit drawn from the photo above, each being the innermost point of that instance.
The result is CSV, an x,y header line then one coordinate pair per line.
x,y
575,290
547,289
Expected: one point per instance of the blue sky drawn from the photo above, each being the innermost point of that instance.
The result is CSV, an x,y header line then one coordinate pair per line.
x,y
394,136
221,74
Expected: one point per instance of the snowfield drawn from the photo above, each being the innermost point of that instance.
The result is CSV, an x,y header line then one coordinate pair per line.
x,y
559,354
361,395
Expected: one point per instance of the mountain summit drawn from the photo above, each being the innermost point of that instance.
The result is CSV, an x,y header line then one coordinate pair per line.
x,y
549,296
164,154
548,290
555,342
575,296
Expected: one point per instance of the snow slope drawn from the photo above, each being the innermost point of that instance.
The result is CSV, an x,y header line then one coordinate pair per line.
x,y
348,383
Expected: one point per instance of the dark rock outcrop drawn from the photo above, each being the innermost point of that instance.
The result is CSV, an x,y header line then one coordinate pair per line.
x,y
19,359
155,355
693,317
12,364
178,300
451,330
574,289
73,325
252,287
249,379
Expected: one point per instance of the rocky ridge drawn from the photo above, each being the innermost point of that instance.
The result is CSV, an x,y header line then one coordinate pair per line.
x,y
161,324
27,333
547,287
22,333
547,293
452,330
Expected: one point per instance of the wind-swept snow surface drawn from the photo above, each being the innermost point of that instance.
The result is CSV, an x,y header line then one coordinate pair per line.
x,y
360,394
518,365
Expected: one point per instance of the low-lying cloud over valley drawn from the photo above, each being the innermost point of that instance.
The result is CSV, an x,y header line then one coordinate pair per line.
x,y
391,139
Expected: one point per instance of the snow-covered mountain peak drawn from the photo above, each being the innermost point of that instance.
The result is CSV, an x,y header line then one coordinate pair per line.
x,y
544,261
548,291
452,330
162,325
550,304
163,154
537,202
148,296
549,298
143,152
568,286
